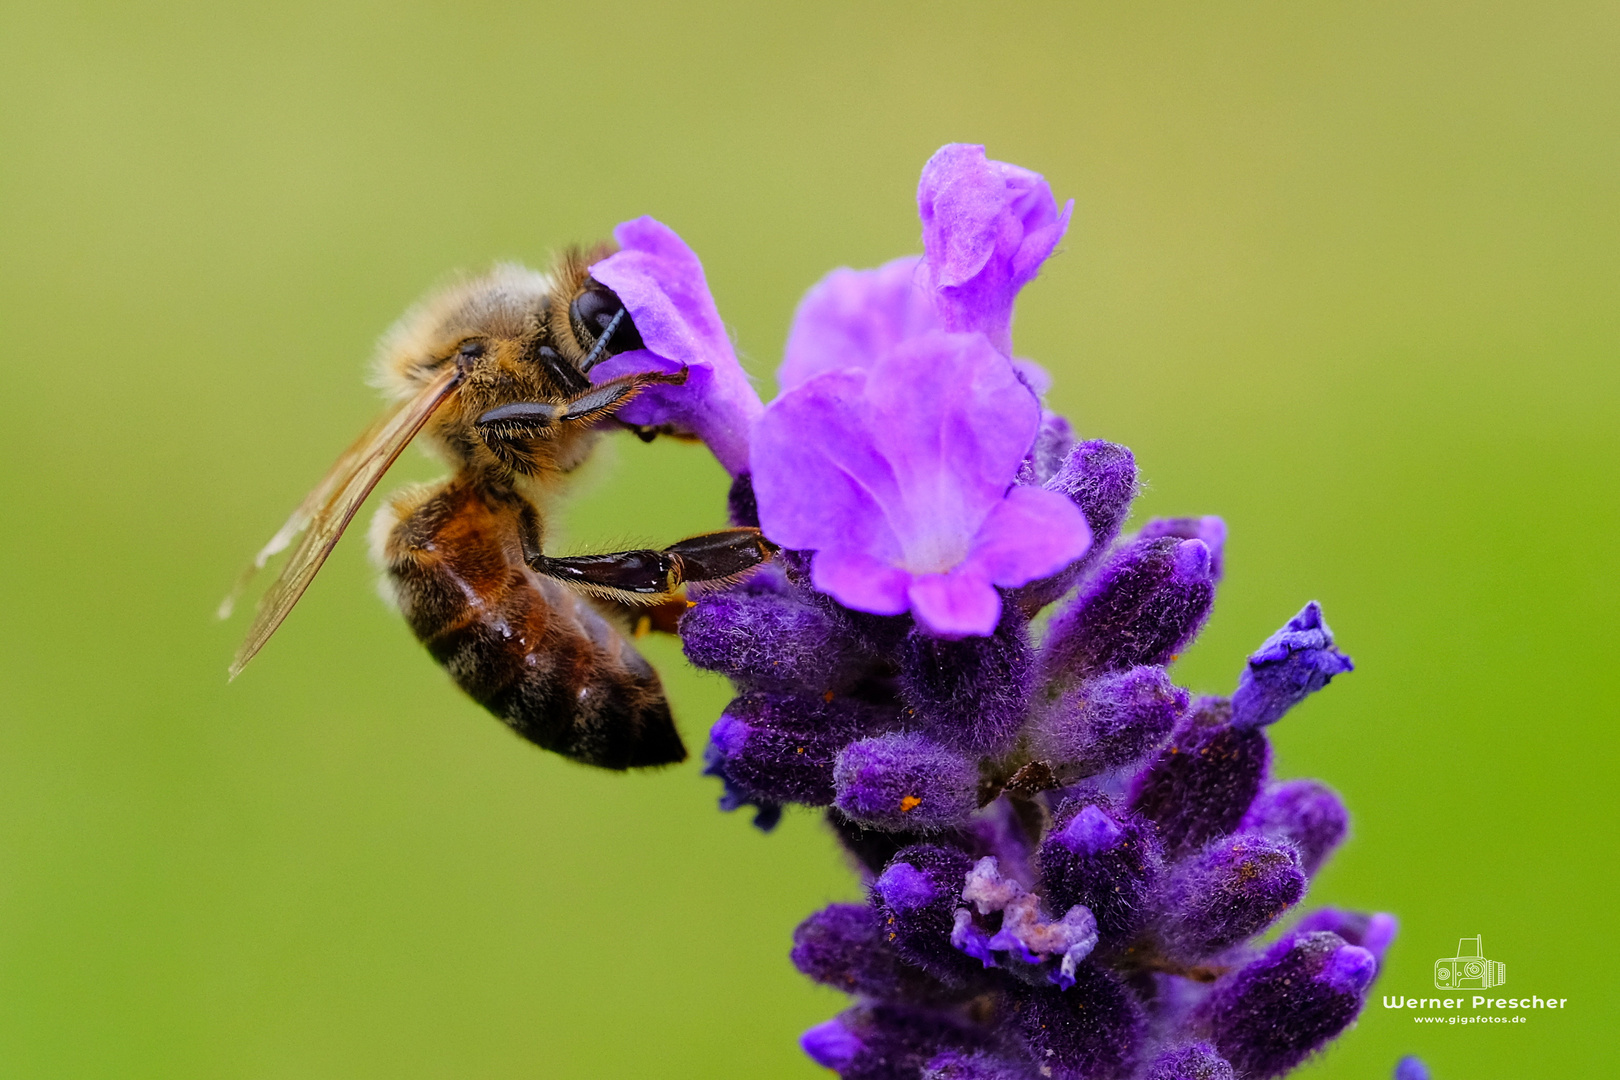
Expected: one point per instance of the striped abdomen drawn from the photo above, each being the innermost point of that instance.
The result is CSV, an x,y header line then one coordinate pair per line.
x,y
532,652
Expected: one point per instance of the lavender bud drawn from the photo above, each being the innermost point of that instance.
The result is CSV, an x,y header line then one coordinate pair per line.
x,y
1149,600
1307,813
782,747
1293,664
1411,1067
1373,932
1210,529
767,632
1234,889
1109,862
916,898
843,947
1203,783
1101,479
831,1045
905,781
1111,721
1279,1009
969,693
1088,1033
1197,1061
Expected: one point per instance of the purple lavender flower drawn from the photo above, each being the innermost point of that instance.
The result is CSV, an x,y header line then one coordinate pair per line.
x,y
987,228
661,284
900,478
1066,858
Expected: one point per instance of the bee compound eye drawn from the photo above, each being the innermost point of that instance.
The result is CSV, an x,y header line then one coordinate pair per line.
x,y
594,310
470,350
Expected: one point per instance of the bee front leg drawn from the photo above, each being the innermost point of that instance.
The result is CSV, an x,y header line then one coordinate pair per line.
x,y
649,577
543,419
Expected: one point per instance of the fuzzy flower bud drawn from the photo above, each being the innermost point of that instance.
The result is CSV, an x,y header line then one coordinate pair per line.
x,y
782,747
1089,1032
767,633
1293,664
905,781
1209,529
916,898
1373,931
1108,862
1272,1014
1100,478
842,946
1202,784
1148,601
1235,888
1306,813
1111,721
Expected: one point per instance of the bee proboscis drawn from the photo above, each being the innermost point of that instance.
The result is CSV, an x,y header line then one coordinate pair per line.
x,y
493,373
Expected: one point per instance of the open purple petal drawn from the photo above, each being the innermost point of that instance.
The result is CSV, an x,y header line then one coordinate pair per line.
x,y
955,605
661,284
900,477
1029,534
851,317
987,228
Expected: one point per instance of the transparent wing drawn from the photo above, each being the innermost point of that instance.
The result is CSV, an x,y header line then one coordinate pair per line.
x,y
325,512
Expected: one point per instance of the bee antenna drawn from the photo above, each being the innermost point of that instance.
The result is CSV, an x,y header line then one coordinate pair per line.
x,y
594,356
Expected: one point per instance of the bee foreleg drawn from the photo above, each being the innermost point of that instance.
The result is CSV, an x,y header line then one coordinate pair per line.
x,y
542,419
646,576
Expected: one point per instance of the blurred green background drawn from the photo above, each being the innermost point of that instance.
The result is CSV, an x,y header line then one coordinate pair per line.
x,y
1345,273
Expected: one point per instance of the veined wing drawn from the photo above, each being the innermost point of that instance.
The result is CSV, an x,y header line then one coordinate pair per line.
x,y
325,512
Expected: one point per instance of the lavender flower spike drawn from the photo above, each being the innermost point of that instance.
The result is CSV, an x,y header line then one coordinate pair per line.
x,y
1067,860
661,284
987,228
900,479
1293,664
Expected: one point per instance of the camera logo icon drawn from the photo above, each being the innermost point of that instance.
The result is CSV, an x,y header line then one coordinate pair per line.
x,y
1469,970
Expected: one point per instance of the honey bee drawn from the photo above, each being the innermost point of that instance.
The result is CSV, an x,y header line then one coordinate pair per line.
x,y
493,373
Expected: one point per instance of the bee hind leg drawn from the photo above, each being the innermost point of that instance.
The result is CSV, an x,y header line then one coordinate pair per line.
x,y
649,577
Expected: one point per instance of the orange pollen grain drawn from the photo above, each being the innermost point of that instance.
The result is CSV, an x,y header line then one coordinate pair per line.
x,y
909,803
